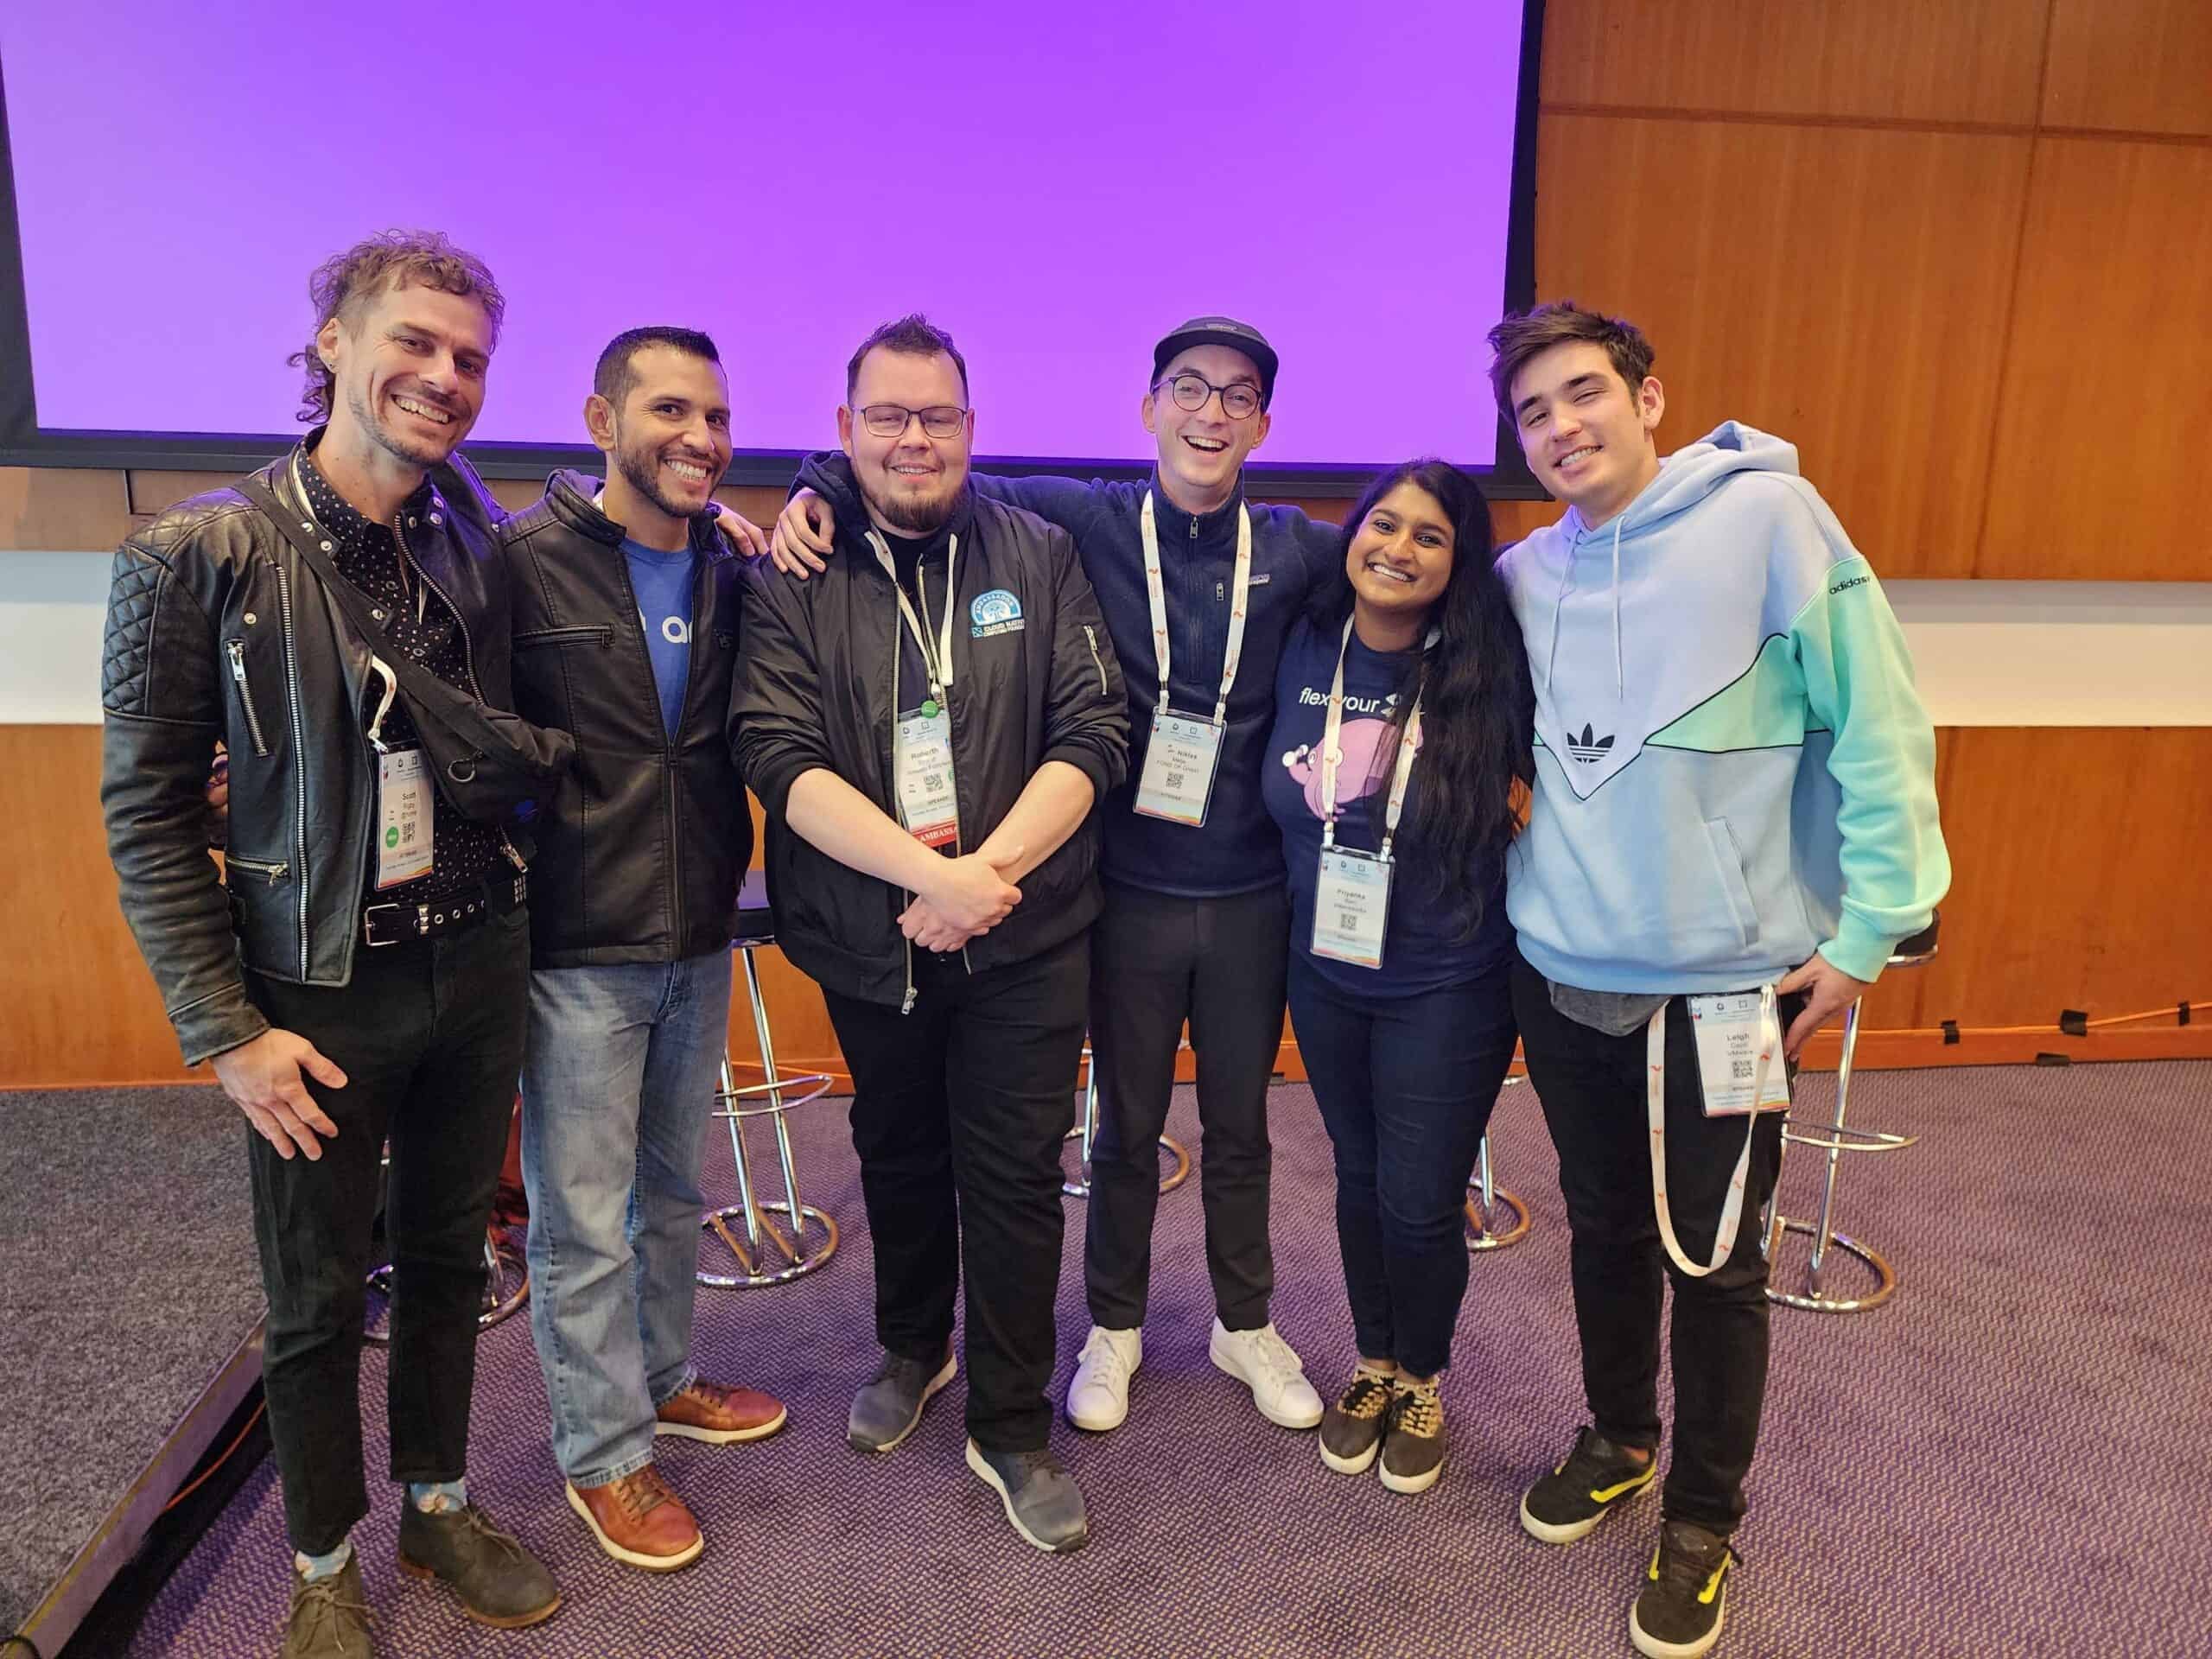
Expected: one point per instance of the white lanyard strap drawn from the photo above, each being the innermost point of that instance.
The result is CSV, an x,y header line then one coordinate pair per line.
x,y
1732,1210
383,670
937,663
1242,589
1331,756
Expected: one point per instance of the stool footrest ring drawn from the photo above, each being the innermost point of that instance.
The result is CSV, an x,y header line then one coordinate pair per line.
x,y
1168,1183
783,1255
1482,1236
1836,1138
778,1094
1885,1277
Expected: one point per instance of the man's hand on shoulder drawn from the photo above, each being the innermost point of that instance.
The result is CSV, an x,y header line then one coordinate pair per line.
x,y
747,538
805,532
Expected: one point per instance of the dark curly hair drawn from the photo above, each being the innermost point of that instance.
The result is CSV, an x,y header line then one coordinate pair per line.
x,y
342,284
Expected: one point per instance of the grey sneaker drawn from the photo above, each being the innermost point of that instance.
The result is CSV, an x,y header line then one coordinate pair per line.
x,y
1040,1498
500,1582
330,1617
1413,1441
890,1403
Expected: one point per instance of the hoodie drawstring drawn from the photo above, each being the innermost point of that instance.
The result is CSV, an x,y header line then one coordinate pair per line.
x,y
1620,679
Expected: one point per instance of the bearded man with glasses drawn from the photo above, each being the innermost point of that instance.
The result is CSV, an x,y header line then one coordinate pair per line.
x,y
1199,588
929,728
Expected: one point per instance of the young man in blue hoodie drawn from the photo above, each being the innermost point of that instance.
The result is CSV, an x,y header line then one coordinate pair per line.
x,y
1199,588
1733,822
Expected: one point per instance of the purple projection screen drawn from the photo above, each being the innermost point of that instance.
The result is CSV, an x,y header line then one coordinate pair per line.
x,y
1056,190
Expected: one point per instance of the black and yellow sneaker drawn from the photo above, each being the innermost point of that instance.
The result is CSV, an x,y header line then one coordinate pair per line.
x,y
1685,1599
1352,1428
1413,1442
1568,1502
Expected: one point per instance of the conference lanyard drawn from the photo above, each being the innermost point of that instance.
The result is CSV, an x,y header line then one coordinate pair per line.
x,y
1351,890
921,743
1184,751
1730,1029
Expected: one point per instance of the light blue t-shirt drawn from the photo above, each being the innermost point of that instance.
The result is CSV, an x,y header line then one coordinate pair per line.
x,y
663,583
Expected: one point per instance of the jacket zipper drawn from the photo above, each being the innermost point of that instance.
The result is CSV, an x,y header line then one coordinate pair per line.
x,y
269,873
235,649
468,654
1095,660
299,759
701,576
600,636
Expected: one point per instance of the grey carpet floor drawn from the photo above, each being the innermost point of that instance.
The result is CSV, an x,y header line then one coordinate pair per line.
x,y
2008,1459
127,1279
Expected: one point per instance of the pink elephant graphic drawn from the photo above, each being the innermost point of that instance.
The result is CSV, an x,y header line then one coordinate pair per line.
x,y
1370,747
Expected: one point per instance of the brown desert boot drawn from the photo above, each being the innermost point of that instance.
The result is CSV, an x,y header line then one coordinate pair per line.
x,y
640,1521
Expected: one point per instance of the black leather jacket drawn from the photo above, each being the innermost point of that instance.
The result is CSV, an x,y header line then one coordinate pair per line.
x,y
814,688
640,856
216,629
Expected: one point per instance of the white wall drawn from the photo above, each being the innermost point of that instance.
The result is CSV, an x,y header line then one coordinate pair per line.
x,y
1990,653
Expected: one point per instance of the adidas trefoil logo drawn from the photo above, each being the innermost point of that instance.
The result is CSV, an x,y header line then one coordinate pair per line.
x,y
1589,749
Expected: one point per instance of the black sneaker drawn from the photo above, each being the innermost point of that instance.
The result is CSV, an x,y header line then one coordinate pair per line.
x,y
890,1403
1685,1599
500,1582
330,1617
1413,1443
1568,1502
1352,1428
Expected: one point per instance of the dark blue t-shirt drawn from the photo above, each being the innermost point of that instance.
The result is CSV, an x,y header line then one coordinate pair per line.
x,y
663,583
1420,950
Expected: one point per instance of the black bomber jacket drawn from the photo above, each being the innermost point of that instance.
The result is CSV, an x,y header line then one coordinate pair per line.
x,y
1035,680
216,629
640,856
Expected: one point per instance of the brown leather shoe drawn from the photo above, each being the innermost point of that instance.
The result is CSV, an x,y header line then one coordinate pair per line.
x,y
639,1522
718,1414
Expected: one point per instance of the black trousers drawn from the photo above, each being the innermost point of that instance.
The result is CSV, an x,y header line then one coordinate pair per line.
x,y
1592,1090
430,1036
958,1110
1155,961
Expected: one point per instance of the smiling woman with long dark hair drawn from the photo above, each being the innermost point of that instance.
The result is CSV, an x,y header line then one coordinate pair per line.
x,y
1403,711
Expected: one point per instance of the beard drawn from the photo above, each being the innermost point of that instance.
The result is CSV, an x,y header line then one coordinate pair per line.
x,y
423,453
918,515
640,469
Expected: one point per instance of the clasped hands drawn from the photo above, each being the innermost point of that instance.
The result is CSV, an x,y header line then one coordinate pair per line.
x,y
965,898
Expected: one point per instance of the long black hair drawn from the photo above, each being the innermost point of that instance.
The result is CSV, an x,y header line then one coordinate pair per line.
x,y
1478,704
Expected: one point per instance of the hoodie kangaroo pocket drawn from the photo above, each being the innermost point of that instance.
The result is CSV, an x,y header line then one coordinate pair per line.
x,y
1728,868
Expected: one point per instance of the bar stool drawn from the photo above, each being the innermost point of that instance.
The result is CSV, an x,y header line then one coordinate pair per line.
x,y
1087,1131
1495,1217
767,1253
507,1284
1837,1140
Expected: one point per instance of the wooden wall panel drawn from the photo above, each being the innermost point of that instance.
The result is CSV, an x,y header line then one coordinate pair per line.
x,y
2080,883
51,510
2134,66
2099,462
1881,59
1844,288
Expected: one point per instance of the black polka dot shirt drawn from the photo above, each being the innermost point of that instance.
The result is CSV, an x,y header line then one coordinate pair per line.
x,y
420,623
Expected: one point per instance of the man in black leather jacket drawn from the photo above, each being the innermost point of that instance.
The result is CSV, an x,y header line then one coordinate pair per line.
x,y
358,974
929,725
625,626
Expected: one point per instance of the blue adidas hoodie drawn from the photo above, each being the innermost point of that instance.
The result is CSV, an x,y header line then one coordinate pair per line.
x,y
1733,768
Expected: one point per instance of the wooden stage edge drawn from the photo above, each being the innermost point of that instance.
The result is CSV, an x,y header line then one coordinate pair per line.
x,y
1878,1050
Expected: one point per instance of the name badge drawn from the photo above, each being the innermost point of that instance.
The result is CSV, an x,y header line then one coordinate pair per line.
x,y
1733,1038
1351,902
402,817
922,757
1179,767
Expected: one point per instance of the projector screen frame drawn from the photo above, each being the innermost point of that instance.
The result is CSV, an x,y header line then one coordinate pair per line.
x,y
23,442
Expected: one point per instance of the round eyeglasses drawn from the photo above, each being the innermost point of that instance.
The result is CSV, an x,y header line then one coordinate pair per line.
x,y
1190,391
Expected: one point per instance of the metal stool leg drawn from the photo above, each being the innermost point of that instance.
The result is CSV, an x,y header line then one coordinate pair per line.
x,y
1814,1297
1086,1130
1487,1200
798,1255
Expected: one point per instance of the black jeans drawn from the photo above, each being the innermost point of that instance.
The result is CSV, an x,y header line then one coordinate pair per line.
x,y
430,1036
1155,961
1405,1085
1592,1090
958,1110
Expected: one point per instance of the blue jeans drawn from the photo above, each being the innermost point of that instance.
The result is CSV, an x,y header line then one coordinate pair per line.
x,y
618,1084
1405,1085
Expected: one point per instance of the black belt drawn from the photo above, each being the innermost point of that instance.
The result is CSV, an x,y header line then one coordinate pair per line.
x,y
397,923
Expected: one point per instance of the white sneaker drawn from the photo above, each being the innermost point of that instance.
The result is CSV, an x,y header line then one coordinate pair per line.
x,y
1099,1394
1263,1359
